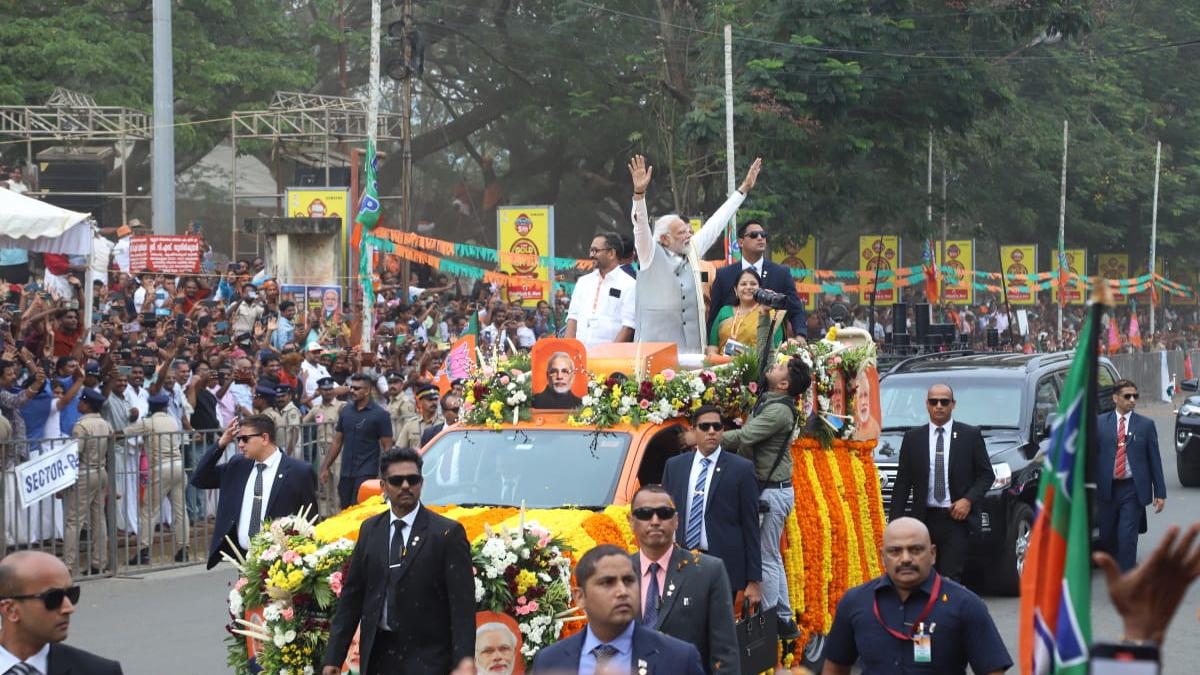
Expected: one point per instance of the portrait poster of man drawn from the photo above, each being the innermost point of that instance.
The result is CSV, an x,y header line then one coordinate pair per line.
x,y
497,645
867,416
559,377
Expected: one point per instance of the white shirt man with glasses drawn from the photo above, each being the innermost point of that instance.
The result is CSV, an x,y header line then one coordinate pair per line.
x,y
602,306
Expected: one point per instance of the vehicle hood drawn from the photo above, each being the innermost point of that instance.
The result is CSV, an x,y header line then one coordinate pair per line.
x,y
887,451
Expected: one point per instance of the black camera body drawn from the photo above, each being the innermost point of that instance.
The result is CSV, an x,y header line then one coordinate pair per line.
x,y
764,296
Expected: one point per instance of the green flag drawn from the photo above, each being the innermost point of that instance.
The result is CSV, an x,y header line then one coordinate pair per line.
x,y
368,218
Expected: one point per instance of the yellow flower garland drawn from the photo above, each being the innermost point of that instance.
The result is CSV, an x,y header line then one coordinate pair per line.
x,y
853,567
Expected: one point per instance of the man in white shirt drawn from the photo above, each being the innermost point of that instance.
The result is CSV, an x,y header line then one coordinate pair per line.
x,y
313,372
670,301
16,182
603,304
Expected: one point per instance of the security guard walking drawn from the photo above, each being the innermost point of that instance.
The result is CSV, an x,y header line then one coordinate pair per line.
x,y
84,501
913,619
427,406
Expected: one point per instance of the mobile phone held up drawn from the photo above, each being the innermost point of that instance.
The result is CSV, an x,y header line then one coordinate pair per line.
x,y
1125,659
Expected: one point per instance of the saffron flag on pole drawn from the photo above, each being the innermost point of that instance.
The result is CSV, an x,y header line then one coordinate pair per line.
x,y
1187,366
1056,625
931,274
368,217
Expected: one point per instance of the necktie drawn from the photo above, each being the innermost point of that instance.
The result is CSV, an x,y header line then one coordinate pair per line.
x,y
696,510
22,668
256,505
939,467
395,555
650,611
603,654
1119,464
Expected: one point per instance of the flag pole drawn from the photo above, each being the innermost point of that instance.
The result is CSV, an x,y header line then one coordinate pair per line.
x,y
368,310
1062,227
1154,235
729,165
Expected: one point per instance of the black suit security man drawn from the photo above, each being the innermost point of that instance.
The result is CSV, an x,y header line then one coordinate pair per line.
x,y
684,594
752,239
945,467
409,585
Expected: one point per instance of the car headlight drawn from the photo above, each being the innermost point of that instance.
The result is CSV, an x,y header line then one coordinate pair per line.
x,y
1189,410
1003,476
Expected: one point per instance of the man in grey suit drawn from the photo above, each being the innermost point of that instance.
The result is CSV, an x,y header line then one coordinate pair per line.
x,y
684,594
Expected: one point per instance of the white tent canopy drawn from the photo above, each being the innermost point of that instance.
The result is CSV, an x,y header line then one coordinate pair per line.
x,y
37,226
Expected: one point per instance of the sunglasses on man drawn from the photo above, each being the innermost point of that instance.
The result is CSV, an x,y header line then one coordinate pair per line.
x,y
413,480
1129,397
941,402
757,234
52,599
645,513
709,426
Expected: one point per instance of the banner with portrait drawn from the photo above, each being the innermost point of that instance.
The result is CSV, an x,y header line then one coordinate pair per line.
x,y
960,257
527,230
1076,263
798,257
877,252
1019,259
559,371
1114,266
324,202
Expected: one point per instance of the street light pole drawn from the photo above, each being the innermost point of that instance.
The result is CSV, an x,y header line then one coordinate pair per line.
x,y
162,177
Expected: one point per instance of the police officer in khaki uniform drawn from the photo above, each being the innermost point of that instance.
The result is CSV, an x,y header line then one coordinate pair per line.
x,y
399,406
325,417
264,404
85,499
289,433
427,406
162,441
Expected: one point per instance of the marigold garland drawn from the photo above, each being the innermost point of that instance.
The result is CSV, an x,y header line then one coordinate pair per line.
x,y
793,563
851,572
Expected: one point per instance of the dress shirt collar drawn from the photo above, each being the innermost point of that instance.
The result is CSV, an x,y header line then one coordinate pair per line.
x,y
408,519
272,461
948,426
758,265
623,642
40,660
663,562
712,457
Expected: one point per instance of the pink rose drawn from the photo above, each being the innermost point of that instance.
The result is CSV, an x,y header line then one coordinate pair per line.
x,y
290,557
504,379
544,541
335,583
288,614
644,404
241,582
668,374
753,387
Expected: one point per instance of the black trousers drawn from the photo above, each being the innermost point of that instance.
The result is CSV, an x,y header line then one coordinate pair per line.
x,y
385,654
950,538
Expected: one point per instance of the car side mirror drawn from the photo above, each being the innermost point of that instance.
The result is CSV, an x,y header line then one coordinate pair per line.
x,y
1190,385
1051,418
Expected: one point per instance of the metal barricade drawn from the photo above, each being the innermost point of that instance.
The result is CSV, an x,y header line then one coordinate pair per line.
x,y
136,511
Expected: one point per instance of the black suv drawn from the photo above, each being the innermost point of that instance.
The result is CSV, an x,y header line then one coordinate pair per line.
x,y
1011,398
1187,437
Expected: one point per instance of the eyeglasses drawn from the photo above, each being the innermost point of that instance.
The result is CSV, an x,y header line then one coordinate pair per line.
x,y
757,234
245,438
648,512
943,402
1129,397
709,426
413,480
594,251
52,599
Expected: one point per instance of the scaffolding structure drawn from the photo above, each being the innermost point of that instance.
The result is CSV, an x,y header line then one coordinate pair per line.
x,y
307,119
75,118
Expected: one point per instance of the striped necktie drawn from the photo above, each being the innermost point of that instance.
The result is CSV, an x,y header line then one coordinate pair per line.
x,y
696,510
22,668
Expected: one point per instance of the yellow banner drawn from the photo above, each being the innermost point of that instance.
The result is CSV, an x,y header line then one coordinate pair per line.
x,y
1019,260
1077,263
798,258
960,256
882,253
325,202
525,229
1114,266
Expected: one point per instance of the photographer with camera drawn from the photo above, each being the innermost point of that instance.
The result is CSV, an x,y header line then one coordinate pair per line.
x,y
735,327
766,440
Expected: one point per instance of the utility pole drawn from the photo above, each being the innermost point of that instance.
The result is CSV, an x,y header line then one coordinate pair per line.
x,y
929,208
406,133
1062,229
162,177
729,164
368,313
1154,233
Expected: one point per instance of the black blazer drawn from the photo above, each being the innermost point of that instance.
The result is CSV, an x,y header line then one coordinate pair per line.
x,y
662,654
971,471
295,487
436,623
730,512
775,277
67,660
697,607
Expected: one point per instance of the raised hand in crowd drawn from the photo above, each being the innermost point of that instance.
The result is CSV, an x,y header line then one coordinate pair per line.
x,y
1148,595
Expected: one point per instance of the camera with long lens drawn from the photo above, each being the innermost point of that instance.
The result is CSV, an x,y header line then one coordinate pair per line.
x,y
770,298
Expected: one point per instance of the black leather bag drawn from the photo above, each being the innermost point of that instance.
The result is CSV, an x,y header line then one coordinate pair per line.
x,y
758,640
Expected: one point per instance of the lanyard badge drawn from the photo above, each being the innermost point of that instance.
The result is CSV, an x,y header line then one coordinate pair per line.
x,y
921,638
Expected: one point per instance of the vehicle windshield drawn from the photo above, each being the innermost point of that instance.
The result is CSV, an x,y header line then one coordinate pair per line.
x,y
983,403
545,468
